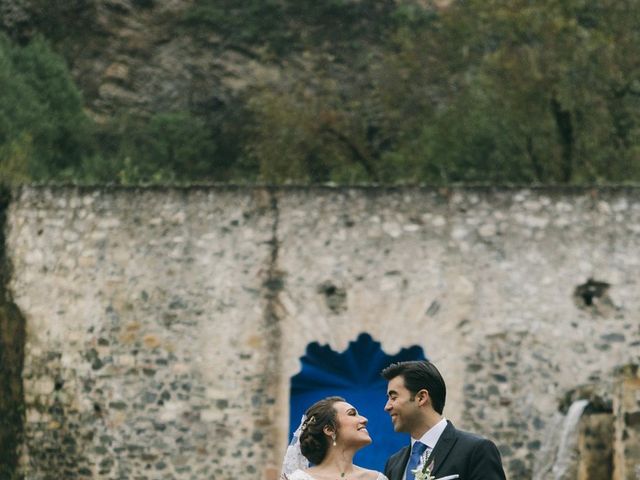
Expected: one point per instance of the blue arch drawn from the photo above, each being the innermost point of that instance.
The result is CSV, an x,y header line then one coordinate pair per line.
x,y
355,375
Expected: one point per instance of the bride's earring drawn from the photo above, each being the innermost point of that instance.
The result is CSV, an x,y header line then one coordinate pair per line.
x,y
333,435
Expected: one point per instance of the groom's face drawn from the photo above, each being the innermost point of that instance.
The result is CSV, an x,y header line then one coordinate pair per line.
x,y
401,405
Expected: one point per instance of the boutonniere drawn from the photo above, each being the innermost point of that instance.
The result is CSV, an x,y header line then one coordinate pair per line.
x,y
423,472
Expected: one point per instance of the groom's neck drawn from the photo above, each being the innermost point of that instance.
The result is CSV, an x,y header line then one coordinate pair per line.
x,y
429,419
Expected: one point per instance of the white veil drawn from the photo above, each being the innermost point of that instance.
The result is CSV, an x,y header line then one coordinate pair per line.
x,y
293,458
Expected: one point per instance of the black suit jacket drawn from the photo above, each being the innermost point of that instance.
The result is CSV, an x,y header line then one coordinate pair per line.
x,y
457,452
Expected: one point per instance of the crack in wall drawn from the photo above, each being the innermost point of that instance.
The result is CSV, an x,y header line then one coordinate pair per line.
x,y
12,341
273,313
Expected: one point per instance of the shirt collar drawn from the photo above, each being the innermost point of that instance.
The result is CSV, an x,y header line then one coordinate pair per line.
x,y
431,436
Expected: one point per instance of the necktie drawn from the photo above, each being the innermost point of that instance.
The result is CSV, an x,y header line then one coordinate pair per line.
x,y
414,460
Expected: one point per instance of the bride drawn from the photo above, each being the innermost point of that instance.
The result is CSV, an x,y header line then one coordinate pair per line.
x,y
330,434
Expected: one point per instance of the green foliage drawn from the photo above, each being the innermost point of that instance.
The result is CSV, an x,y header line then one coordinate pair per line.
x,y
169,147
173,145
523,92
62,21
14,160
310,138
282,27
43,130
491,91
45,135
383,91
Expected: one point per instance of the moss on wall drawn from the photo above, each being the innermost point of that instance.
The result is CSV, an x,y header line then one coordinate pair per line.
x,y
12,337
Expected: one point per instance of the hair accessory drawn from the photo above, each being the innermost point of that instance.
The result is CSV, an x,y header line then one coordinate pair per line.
x,y
308,421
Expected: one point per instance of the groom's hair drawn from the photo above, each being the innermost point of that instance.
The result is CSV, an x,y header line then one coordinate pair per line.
x,y
419,375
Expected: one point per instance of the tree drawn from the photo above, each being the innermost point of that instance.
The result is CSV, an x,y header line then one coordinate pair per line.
x,y
166,148
522,91
44,132
491,91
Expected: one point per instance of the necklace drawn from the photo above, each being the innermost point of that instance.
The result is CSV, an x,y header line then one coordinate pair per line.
x,y
339,474
343,475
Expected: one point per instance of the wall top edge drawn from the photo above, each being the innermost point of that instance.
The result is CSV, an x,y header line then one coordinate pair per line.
x,y
370,188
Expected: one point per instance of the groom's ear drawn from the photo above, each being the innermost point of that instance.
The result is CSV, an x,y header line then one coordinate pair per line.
x,y
423,397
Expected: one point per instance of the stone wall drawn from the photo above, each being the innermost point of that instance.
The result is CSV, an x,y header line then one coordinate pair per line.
x,y
147,352
163,325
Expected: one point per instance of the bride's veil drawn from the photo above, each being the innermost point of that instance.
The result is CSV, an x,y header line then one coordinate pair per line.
x,y
293,458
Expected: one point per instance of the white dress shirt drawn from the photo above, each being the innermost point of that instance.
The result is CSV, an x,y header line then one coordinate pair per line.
x,y
430,438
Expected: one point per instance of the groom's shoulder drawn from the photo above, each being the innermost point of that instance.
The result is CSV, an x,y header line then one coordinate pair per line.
x,y
474,437
396,456
470,437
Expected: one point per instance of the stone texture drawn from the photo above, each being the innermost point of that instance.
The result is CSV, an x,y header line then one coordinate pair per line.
x,y
595,447
151,340
626,465
163,324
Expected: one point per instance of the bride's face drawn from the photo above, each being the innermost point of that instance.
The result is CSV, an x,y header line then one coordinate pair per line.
x,y
352,427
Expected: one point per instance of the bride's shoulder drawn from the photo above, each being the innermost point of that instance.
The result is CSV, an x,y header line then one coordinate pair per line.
x,y
364,474
372,475
378,475
297,475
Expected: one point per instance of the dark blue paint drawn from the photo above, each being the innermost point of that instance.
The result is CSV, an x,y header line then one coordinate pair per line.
x,y
355,375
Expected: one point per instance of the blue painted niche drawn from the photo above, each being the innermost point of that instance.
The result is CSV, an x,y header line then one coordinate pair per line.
x,y
355,375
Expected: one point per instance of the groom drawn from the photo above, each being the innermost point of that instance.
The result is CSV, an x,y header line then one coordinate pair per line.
x,y
415,399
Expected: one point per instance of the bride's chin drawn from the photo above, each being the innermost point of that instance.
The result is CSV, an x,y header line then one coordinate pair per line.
x,y
363,443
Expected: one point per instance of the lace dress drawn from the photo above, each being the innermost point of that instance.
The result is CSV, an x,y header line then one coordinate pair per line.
x,y
300,475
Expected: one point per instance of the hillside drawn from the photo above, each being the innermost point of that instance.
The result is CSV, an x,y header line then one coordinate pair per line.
x,y
347,91
147,56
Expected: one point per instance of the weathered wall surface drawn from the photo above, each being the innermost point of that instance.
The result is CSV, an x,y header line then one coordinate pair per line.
x,y
146,352
484,281
163,325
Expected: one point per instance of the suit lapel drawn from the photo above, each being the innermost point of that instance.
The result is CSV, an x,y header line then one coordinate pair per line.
x,y
443,447
397,470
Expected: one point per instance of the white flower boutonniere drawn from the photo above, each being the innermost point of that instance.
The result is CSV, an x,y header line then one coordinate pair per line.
x,y
423,472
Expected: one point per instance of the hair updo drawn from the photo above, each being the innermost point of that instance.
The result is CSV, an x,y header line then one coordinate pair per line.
x,y
314,443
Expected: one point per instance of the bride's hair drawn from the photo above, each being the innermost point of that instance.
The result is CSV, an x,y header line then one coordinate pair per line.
x,y
314,443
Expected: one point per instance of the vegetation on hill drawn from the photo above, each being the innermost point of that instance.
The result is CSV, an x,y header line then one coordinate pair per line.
x,y
44,132
368,91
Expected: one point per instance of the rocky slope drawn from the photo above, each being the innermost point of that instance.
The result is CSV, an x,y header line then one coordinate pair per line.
x,y
135,56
